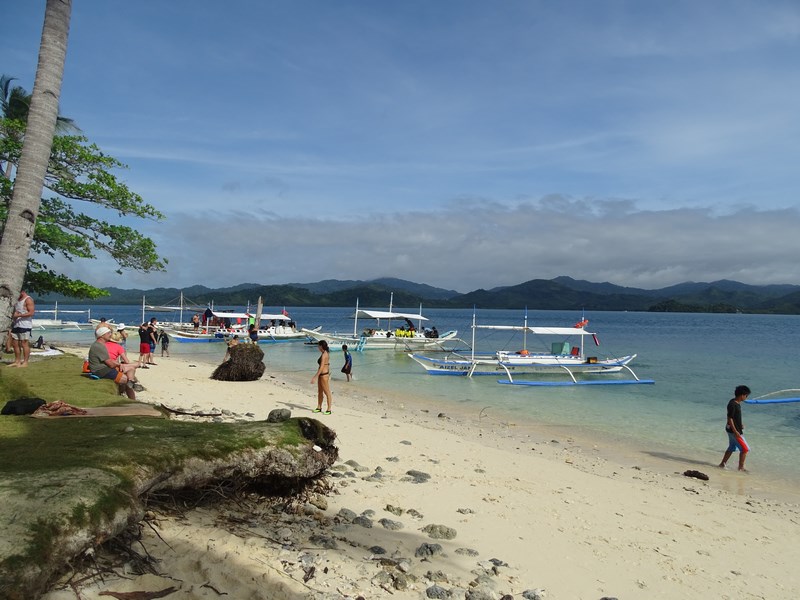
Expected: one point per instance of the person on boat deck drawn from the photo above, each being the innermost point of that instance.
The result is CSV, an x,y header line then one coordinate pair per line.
x,y
101,365
252,333
735,428
196,321
435,332
323,377
347,369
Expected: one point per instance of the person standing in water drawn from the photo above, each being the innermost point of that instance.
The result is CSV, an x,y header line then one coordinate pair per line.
x,y
735,428
323,377
347,369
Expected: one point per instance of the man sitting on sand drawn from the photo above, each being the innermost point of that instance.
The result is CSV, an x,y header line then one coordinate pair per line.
x,y
101,364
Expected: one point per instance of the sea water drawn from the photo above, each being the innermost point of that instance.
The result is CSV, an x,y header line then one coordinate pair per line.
x,y
696,361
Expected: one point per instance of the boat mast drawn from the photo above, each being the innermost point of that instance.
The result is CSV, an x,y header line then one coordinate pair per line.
x,y
142,308
389,323
473,333
180,313
525,331
355,322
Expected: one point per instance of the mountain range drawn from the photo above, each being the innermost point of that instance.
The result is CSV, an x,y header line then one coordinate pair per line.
x,y
560,293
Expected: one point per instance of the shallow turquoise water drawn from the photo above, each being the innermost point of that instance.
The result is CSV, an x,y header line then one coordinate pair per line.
x,y
695,359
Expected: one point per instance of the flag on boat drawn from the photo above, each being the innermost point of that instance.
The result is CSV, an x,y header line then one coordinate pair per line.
x,y
284,313
596,341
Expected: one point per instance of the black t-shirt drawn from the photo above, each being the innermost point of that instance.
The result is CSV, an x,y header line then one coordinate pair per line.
x,y
144,335
735,413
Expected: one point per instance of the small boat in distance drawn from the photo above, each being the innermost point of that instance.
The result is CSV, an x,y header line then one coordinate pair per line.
x,y
567,356
57,322
404,338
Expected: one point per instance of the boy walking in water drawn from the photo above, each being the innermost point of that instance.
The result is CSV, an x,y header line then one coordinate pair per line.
x,y
735,428
347,369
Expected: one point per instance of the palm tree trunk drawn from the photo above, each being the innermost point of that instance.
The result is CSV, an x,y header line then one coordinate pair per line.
x,y
23,210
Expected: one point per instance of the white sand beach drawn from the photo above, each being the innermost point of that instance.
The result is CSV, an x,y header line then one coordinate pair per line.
x,y
533,515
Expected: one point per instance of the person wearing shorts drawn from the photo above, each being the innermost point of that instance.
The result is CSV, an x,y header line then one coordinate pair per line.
x,y
735,428
101,364
152,330
21,325
144,346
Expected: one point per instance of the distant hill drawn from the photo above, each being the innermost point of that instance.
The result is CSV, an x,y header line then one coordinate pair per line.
x,y
548,294
422,290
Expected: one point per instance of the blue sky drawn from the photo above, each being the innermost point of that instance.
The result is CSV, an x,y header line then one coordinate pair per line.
x,y
464,144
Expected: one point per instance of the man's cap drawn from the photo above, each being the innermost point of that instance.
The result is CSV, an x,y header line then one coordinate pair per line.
x,y
121,326
100,331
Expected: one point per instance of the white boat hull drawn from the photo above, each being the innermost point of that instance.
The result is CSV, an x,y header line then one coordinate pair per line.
x,y
503,364
384,340
271,335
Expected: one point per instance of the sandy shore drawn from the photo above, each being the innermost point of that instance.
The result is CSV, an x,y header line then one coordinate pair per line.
x,y
531,515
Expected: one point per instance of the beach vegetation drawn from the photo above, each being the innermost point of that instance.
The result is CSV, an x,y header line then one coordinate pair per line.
x,y
62,475
79,173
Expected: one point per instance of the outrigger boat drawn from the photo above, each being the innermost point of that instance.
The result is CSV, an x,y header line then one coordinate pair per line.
x,y
278,328
564,357
59,323
404,339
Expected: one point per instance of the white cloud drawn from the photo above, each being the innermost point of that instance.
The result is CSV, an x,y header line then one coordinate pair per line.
x,y
471,247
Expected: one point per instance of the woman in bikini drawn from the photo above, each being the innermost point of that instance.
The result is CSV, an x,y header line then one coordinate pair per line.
x,y
323,377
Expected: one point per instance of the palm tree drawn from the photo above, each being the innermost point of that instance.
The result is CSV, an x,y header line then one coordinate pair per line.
x,y
15,103
23,209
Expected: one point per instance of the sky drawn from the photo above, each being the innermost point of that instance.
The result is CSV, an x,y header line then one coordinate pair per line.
x,y
460,143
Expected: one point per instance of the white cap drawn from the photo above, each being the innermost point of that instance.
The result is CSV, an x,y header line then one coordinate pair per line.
x,y
100,331
121,326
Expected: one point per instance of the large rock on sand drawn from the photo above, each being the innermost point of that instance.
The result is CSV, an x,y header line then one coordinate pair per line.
x,y
246,364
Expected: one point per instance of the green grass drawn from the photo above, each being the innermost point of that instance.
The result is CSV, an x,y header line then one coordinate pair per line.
x,y
56,448
101,442
58,378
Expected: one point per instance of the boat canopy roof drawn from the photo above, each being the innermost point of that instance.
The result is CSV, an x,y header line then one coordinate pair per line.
x,y
154,308
264,316
384,314
539,330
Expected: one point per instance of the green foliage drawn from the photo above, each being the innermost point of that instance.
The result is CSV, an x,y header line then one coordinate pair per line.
x,y
78,172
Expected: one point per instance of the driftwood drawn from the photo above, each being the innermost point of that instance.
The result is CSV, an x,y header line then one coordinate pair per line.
x,y
246,363
178,411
